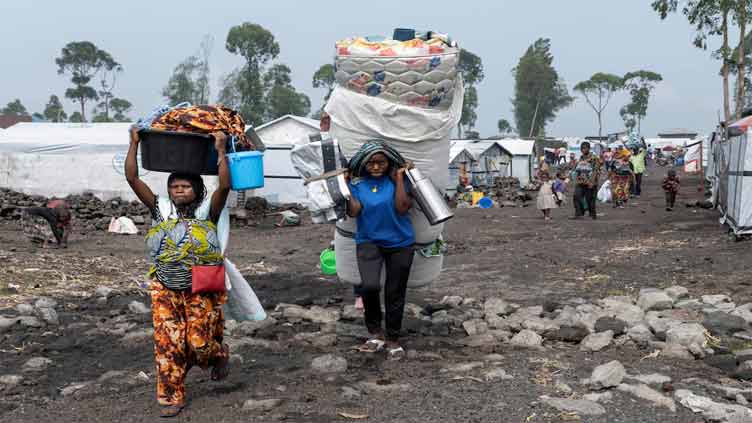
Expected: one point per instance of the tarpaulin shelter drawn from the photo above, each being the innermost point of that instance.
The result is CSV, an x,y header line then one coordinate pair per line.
x,y
733,167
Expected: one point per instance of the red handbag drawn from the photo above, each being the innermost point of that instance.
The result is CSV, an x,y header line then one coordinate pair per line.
x,y
206,278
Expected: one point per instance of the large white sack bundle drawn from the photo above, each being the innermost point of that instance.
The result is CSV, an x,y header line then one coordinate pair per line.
x,y
424,269
420,135
366,118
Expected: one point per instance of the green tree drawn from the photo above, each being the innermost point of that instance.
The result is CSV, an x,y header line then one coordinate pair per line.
x,y
598,91
281,97
120,106
504,126
107,84
709,18
471,69
257,46
539,92
37,116
190,78
82,60
15,108
76,117
640,85
53,111
324,78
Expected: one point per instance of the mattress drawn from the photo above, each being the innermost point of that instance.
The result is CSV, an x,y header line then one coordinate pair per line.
x,y
415,73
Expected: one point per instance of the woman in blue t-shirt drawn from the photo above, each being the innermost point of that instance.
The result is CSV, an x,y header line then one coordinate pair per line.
x,y
380,202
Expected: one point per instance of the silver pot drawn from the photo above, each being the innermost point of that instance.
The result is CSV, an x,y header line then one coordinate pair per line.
x,y
429,198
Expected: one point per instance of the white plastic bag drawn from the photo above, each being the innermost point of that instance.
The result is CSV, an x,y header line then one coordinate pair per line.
x,y
122,225
604,194
242,303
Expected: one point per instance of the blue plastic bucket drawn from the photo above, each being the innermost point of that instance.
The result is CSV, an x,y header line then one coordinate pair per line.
x,y
485,203
246,170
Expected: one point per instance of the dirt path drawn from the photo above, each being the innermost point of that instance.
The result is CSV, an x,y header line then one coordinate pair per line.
x,y
508,253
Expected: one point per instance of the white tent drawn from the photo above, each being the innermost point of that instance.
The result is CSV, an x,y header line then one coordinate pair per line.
x,y
734,170
523,158
460,161
287,130
58,159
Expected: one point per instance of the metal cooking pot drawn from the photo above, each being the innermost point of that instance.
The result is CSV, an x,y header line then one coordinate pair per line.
x,y
429,198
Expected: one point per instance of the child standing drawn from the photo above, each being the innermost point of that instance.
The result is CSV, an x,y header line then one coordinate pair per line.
x,y
546,196
671,188
560,187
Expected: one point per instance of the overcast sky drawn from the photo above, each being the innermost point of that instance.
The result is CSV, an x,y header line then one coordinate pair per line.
x,y
150,37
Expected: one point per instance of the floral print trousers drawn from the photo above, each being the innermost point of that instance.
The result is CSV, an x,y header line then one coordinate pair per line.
x,y
187,331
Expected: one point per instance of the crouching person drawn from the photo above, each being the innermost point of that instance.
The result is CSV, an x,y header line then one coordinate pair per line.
x,y
385,237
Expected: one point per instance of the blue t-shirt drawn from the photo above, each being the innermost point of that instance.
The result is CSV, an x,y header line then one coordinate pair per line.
x,y
378,221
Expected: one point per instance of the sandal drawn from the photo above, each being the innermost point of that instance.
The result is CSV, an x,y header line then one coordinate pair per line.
x,y
221,368
171,410
395,354
372,346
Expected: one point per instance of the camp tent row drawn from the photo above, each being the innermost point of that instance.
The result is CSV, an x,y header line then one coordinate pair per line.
x,y
58,159
484,160
730,170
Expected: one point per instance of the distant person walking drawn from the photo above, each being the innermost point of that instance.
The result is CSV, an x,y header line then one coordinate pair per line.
x,y
638,167
670,188
620,176
586,173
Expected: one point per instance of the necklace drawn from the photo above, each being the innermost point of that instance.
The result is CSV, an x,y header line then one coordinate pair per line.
x,y
375,188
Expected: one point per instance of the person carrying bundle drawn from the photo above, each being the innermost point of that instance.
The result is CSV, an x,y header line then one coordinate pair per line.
x,y
385,236
188,325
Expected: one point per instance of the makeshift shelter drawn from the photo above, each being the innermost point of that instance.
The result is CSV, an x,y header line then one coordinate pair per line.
x,y
488,160
734,170
59,159
523,158
460,163
287,130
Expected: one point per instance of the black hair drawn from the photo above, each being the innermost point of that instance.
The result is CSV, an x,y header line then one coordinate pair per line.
x,y
585,144
199,189
671,172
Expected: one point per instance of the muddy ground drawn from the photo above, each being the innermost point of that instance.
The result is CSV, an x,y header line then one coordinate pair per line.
x,y
505,252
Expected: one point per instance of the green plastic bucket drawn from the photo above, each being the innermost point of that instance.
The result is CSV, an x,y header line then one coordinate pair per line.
x,y
328,262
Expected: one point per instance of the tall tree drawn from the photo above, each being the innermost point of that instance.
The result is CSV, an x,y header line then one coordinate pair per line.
x,y
76,117
183,83
741,15
53,111
471,69
281,96
539,92
504,126
190,78
640,84
14,108
710,18
82,60
107,83
745,68
324,78
120,107
257,46
598,91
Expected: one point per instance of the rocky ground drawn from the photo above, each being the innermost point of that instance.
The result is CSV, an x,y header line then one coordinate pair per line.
x,y
640,316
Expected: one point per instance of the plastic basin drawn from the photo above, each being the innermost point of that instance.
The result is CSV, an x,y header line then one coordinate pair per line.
x,y
485,203
328,262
